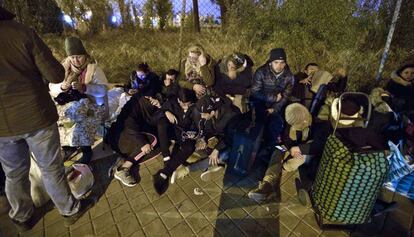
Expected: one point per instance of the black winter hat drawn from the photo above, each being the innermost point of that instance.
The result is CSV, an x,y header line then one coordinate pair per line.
x,y
277,54
74,46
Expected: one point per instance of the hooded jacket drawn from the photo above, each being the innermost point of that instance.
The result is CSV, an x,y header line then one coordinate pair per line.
x,y
25,63
267,85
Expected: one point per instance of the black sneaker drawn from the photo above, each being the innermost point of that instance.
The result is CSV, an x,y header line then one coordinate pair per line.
x,y
261,193
160,182
85,204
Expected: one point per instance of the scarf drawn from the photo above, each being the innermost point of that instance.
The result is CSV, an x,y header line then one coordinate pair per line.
x,y
82,74
192,70
401,81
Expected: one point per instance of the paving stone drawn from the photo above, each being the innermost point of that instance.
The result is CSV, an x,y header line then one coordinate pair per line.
x,y
250,227
177,196
157,228
208,231
139,202
236,213
235,193
200,200
138,233
117,199
186,208
31,233
83,230
152,195
146,185
197,222
189,187
128,226
110,232
288,219
103,222
247,204
56,229
171,218
310,220
298,209
122,212
114,187
303,228
290,188
100,207
52,217
147,215
81,221
163,204
224,225
210,211
133,192
181,230
212,190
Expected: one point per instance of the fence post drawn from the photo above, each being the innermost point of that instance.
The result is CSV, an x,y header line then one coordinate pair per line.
x,y
180,44
196,16
389,39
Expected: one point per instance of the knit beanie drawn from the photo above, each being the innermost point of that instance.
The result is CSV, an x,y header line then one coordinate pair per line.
x,y
74,46
277,54
298,116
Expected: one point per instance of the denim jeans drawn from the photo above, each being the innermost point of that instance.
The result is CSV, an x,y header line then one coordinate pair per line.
x,y
15,159
204,164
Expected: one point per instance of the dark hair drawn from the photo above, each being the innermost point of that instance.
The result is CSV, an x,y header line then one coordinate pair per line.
x,y
405,66
311,64
143,67
207,104
172,72
69,96
186,95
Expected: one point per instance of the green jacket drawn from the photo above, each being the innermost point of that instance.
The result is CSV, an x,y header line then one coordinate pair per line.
x,y
207,72
25,60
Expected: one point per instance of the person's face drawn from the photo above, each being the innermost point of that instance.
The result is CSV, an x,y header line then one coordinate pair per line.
x,y
193,57
141,75
311,70
184,105
77,60
231,67
170,77
207,116
408,74
278,65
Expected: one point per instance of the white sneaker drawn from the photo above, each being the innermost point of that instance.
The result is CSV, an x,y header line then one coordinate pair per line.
x,y
210,173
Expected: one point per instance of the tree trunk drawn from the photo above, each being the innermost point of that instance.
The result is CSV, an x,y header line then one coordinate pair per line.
x,y
196,16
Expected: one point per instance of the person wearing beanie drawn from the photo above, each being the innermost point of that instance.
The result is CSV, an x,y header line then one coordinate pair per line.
x,y
349,129
234,78
197,71
297,131
272,86
82,74
28,125
210,118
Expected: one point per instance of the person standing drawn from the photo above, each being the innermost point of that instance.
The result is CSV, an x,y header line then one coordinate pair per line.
x,y
28,123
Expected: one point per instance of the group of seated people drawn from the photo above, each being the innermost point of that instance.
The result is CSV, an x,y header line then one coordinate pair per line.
x,y
192,109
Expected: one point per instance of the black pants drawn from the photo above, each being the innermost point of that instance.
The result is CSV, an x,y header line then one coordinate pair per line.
x,y
180,154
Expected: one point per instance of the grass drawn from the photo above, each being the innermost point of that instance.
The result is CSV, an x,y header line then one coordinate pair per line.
x,y
119,51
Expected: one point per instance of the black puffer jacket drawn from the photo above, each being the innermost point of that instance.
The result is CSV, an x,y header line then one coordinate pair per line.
x,y
267,85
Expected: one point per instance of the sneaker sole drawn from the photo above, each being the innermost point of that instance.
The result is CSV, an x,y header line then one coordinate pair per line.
x,y
210,174
126,184
257,197
173,177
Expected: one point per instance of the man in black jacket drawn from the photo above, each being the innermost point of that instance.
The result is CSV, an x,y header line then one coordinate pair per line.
x,y
210,118
272,85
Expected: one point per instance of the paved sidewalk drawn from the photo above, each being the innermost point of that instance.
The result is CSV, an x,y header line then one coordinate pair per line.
x,y
222,210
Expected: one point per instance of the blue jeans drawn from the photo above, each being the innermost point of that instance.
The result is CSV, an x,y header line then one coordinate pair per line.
x,y
204,164
15,159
